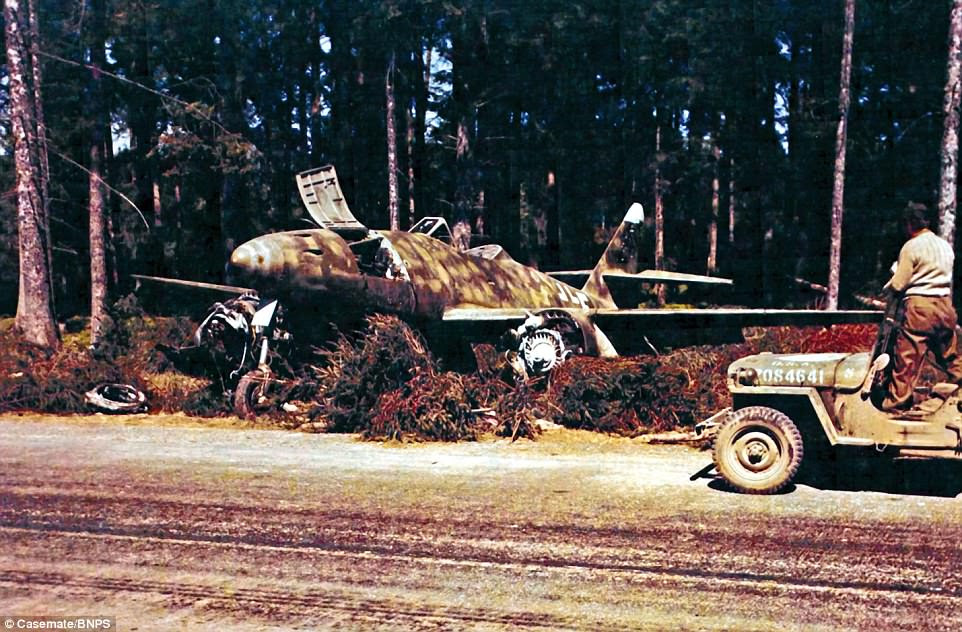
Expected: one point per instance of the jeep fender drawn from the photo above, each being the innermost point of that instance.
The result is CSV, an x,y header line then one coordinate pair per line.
x,y
806,397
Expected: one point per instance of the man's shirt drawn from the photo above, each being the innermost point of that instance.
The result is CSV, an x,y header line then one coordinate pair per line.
x,y
924,267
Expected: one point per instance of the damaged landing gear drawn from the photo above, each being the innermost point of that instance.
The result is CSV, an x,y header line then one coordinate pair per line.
x,y
551,336
251,394
242,336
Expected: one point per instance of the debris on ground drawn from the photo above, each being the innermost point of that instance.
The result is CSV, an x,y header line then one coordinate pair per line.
x,y
116,399
626,396
430,406
356,370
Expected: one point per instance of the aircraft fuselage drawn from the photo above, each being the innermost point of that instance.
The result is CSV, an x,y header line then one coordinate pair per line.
x,y
409,274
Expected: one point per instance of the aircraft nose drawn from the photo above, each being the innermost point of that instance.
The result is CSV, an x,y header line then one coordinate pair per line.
x,y
241,259
246,263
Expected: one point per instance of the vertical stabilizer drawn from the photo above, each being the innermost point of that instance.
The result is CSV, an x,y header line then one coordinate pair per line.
x,y
621,255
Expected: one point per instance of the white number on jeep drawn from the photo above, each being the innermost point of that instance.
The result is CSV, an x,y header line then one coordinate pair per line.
x,y
792,376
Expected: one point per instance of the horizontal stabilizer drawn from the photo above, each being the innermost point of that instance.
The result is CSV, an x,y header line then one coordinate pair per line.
x,y
577,278
664,276
197,285
574,278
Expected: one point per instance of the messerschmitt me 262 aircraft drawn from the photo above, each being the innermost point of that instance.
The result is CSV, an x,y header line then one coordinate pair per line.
x,y
341,268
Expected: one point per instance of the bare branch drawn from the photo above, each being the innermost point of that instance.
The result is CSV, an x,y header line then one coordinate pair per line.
x,y
76,164
191,108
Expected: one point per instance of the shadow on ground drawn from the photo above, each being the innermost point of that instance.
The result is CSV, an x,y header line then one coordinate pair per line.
x,y
858,470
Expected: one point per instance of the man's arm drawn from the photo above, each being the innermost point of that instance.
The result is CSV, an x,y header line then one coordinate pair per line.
x,y
903,273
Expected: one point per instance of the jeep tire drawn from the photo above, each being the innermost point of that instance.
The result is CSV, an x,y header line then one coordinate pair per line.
x,y
758,450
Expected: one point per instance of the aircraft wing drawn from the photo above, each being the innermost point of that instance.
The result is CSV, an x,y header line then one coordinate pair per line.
x,y
197,285
498,316
577,278
639,330
680,318
730,317
634,330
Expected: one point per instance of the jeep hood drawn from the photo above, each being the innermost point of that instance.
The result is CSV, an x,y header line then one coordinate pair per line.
x,y
838,370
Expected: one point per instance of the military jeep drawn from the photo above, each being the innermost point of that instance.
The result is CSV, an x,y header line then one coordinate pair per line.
x,y
789,407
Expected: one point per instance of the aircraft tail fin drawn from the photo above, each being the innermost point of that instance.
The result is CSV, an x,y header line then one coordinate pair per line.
x,y
621,255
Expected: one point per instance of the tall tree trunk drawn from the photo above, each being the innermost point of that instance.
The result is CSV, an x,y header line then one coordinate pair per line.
x,y
157,205
524,222
479,225
838,187
338,24
40,120
97,236
423,98
792,133
35,314
468,53
143,114
950,134
96,206
409,146
713,222
313,103
393,202
41,123
463,196
552,210
232,196
731,201
303,110
659,218
112,209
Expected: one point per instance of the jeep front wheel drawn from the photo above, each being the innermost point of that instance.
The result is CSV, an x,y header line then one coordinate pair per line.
x,y
758,450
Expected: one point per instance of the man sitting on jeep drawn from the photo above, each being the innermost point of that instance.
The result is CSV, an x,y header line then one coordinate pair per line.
x,y
923,282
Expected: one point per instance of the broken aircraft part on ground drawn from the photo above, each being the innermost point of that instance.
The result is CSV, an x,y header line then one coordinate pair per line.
x,y
120,399
344,269
236,337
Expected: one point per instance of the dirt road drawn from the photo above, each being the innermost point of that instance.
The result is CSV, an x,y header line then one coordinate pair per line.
x,y
202,528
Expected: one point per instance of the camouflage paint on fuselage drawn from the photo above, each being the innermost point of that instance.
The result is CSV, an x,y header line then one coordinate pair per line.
x,y
445,277
432,276
302,259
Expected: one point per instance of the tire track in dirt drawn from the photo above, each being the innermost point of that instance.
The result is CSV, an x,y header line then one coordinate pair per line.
x,y
740,582
205,534
253,600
